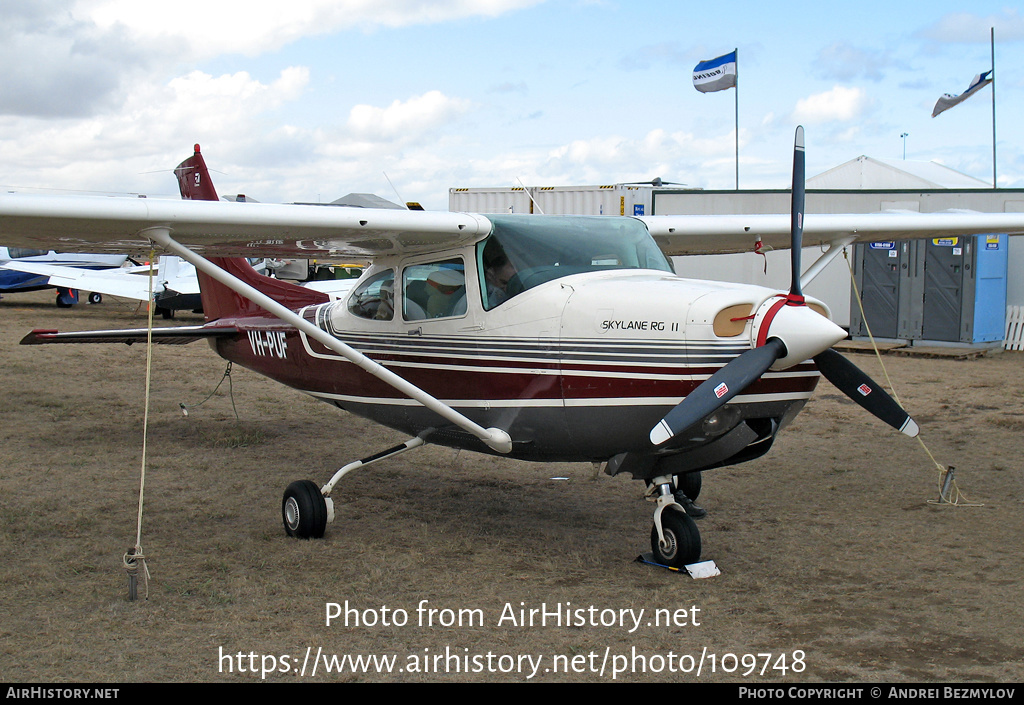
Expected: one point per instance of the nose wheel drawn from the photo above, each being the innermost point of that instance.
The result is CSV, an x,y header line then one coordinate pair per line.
x,y
675,538
679,543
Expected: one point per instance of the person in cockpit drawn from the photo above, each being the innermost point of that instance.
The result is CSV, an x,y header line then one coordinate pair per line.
x,y
498,270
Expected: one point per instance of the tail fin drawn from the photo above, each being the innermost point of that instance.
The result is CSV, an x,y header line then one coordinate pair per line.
x,y
194,179
218,300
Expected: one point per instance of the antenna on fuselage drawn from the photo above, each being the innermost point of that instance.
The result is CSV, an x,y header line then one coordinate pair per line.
x,y
400,199
528,193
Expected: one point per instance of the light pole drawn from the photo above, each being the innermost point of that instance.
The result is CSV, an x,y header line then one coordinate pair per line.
x,y
904,136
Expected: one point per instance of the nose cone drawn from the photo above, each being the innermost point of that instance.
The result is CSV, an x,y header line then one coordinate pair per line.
x,y
804,331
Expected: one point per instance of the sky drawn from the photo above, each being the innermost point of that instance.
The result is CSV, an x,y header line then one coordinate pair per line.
x,y
308,100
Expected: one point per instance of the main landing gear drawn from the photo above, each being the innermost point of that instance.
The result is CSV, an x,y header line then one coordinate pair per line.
x,y
675,538
306,509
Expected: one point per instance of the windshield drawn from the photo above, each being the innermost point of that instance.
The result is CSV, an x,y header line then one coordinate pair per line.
x,y
527,250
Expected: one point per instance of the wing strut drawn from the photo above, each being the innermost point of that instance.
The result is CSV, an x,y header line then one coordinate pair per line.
x,y
834,248
495,438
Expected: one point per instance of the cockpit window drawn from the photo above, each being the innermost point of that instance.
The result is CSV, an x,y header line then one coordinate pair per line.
x,y
22,252
525,251
375,298
434,290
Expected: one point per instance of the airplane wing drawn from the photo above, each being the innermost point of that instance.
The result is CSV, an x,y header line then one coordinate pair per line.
x,y
115,282
223,228
723,234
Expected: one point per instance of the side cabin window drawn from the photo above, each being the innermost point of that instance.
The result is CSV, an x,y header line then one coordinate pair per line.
x,y
22,252
434,290
375,298
524,251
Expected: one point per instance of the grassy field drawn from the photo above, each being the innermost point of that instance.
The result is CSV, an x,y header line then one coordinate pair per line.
x,y
835,565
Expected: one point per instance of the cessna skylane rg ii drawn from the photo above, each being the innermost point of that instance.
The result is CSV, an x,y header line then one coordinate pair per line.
x,y
546,338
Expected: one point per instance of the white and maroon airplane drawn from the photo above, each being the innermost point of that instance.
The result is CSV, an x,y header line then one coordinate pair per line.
x,y
546,338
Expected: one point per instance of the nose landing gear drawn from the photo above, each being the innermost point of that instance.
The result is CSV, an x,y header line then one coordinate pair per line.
x,y
675,538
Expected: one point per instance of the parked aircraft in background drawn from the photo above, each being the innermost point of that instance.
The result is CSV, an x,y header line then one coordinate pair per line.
x,y
175,285
12,281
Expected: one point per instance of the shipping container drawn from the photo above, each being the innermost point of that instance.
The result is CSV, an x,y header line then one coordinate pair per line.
x,y
615,199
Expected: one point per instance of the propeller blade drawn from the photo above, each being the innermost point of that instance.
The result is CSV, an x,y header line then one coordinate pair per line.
x,y
797,211
852,382
717,390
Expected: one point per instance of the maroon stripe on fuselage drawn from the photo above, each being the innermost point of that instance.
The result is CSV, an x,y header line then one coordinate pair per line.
x,y
287,361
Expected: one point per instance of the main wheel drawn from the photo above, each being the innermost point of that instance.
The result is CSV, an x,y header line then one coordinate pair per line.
x,y
304,510
95,298
682,540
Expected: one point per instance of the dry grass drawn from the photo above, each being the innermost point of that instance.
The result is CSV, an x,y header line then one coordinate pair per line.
x,y
827,545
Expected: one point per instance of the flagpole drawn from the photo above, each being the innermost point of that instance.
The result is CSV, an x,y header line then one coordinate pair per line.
x,y
737,117
992,39
719,74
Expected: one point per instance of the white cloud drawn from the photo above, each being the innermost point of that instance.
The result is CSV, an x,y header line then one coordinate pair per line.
x,y
250,27
56,66
153,130
839,104
407,120
674,156
233,96
964,27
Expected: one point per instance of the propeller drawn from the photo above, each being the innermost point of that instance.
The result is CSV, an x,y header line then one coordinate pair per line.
x,y
718,390
796,214
786,332
851,381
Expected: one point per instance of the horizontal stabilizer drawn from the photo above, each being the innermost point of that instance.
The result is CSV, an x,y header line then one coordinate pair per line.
x,y
165,336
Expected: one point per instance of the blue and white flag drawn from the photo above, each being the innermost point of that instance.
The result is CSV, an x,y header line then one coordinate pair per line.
x,y
947,101
715,74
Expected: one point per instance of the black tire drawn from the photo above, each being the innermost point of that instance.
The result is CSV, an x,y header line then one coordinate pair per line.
x,y
61,304
304,510
682,539
690,484
95,298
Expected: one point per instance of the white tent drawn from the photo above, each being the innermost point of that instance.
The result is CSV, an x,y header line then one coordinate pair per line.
x,y
870,173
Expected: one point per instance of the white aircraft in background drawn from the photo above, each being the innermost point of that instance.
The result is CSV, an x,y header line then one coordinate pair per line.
x,y
16,278
175,284
545,338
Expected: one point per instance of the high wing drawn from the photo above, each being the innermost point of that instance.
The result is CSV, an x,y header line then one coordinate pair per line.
x,y
222,228
78,223
724,234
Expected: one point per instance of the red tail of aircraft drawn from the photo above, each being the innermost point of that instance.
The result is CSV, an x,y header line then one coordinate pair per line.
x,y
219,301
